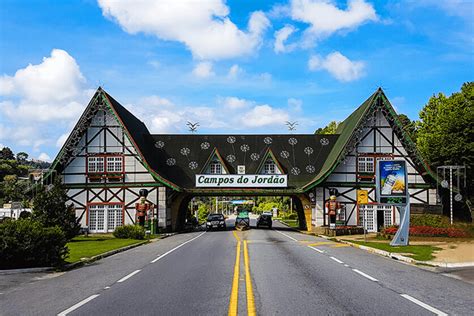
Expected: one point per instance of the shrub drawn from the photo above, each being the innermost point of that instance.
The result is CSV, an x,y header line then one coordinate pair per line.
x,y
130,232
429,220
28,243
427,231
203,212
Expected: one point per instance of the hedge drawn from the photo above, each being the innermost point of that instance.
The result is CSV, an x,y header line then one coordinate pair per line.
x,y
129,232
427,231
27,243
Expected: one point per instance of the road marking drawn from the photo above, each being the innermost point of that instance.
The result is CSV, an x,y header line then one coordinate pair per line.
x,y
251,311
337,260
175,248
365,275
128,276
294,239
318,250
236,236
76,306
107,287
321,243
234,295
346,265
424,305
340,246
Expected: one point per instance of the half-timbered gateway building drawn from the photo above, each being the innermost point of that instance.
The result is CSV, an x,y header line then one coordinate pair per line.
x,y
110,156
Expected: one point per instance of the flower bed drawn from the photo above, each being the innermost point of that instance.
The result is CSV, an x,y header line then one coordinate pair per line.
x,y
427,231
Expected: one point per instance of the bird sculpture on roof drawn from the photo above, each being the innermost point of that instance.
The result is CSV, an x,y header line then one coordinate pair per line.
x,y
192,126
291,125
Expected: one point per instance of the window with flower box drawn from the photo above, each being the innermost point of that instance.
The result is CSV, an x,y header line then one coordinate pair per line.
x,y
99,167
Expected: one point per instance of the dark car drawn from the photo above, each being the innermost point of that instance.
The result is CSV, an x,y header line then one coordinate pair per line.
x,y
215,221
264,220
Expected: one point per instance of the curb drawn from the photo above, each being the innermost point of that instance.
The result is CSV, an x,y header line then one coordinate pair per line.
x,y
104,255
400,257
26,270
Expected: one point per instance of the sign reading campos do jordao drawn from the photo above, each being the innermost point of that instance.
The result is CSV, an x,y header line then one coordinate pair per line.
x,y
392,186
241,181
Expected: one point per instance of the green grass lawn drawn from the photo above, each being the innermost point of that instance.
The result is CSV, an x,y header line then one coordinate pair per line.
x,y
418,252
86,247
291,222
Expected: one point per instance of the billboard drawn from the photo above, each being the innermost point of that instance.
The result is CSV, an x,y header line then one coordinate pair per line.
x,y
392,186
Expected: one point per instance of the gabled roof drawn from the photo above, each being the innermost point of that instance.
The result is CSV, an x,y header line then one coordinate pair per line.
x,y
215,154
348,129
134,129
269,154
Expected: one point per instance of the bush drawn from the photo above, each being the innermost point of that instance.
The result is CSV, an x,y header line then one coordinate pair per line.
x,y
27,243
429,220
130,232
427,231
203,212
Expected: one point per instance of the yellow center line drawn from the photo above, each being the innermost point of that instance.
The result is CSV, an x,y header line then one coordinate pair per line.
x,y
322,243
340,246
248,283
236,236
234,295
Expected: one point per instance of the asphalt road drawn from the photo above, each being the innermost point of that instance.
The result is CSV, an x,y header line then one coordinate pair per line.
x,y
277,272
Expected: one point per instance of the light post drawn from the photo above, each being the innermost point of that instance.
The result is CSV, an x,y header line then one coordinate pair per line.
x,y
459,171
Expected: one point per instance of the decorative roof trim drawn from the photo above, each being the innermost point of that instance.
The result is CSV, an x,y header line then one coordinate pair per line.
x,y
137,148
269,153
215,153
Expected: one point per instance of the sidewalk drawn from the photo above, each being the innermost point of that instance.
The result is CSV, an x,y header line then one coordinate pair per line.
x,y
455,253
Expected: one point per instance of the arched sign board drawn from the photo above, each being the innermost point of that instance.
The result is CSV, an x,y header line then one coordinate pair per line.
x,y
392,189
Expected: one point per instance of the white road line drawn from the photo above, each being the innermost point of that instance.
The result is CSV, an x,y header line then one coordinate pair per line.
x,y
294,239
426,306
318,250
337,260
175,248
128,276
365,275
76,306
346,265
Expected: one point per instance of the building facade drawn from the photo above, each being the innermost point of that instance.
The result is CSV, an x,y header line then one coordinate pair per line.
x,y
110,156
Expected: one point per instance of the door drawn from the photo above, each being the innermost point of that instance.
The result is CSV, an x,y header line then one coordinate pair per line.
x,y
105,218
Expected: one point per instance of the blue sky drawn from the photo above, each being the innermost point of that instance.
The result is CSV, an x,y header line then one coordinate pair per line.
x,y
233,66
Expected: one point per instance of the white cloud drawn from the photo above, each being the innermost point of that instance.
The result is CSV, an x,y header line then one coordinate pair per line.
x,y
281,36
325,18
57,78
234,71
62,139
44,157
203,26
156,101
51,91
203,70
264,115
338,65
295,105
234,103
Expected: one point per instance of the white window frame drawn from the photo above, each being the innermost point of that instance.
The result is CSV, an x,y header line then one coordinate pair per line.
x,y
105,218
95,164
114,164
269,167
372,211
215,167
366,164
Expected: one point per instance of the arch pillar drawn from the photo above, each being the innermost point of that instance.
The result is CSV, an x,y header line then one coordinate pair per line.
x,y
303,205
179,207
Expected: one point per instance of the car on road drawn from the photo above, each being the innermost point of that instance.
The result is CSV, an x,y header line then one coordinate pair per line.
x,y
216,221
242,221
265,219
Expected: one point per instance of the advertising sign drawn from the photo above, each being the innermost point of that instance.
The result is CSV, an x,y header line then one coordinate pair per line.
x,y
362,197
392,186
241,181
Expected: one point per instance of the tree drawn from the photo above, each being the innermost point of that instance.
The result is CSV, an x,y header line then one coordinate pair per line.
x,y
409,126
445,131
14,189
50,208
6,153
21,156
329,129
